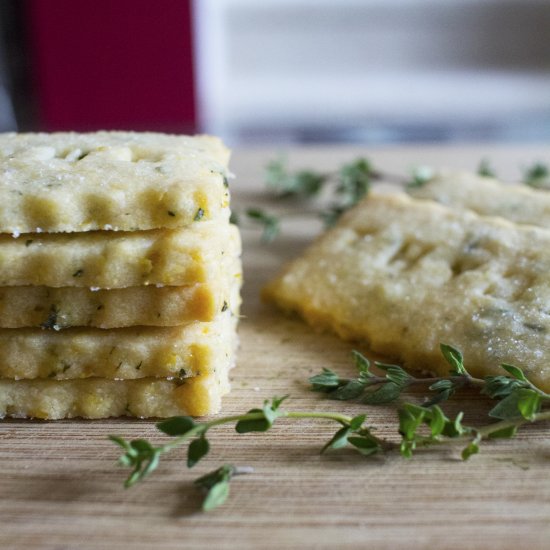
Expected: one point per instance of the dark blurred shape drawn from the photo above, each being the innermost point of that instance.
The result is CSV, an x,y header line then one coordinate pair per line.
x,y
113,64
13,67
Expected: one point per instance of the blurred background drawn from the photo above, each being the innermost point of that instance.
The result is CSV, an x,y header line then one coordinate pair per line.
x,y
280,71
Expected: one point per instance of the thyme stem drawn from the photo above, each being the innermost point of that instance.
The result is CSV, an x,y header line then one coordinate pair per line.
x,y
487,431
484,432
202,428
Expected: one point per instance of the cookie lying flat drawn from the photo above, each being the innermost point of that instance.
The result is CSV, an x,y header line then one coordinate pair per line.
x,y
58,308
405,275
124,353
100,398
110,180
108,259
488,197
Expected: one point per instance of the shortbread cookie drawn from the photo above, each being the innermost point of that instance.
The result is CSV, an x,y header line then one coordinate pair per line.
x,y
100,398
60,308
404,275
487,197
110,180
107,259
125,353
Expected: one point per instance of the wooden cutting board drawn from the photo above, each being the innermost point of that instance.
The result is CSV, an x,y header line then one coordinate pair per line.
x,y
60,487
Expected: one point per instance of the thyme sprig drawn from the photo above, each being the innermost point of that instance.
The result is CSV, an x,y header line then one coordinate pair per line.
x,y
143,457
344,187
519,403
373,389
348,184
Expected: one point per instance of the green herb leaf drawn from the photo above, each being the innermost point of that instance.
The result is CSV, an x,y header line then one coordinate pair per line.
x,y
327,381
508,407
437,421
529,403
516,372
254,424
120,442
216,484
362,364
505,433
177,425
276,402
269,413
395,374
332,214
198,448
442,385
270,223
141,446
351,390
152,463
210,479
384,394
139,455
271,409
455,428
365,445
410,419
471,449
406,448
441,396
537,175
357,421
354,181
339,440
499,387
454,358
485,169
216,496
444,389
304,183
420,177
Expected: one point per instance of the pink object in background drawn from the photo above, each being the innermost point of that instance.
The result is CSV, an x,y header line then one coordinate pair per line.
x,y
124,64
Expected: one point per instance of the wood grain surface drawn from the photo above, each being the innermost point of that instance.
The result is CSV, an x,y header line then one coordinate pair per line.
x,y
60,487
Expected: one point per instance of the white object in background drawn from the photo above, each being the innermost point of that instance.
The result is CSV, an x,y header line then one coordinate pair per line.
x,y
373,70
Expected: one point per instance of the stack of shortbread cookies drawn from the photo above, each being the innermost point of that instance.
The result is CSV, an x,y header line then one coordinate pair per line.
x,y
119,275
404,275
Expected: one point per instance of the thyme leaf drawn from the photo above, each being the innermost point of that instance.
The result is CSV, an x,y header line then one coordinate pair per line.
x,y
216,485
485,169
303,183
537,175
269,222
420,177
